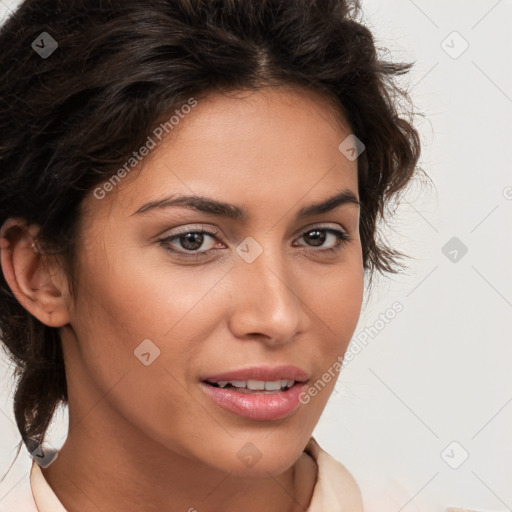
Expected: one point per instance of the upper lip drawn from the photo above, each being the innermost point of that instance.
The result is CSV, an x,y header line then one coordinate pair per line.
x,y
265,373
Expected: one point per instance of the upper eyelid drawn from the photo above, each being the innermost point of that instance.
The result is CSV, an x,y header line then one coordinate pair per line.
x,y
215,233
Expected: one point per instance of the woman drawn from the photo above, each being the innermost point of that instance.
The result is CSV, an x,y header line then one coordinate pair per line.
x,y
190,198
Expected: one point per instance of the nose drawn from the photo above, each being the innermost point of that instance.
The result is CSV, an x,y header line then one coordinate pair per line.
x,y
265,304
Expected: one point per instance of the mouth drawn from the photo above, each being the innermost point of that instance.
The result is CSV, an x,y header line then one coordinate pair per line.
x,y
259,378
258,393
254,386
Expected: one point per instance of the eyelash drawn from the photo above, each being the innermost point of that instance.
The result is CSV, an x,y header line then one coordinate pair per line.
x,y
342,239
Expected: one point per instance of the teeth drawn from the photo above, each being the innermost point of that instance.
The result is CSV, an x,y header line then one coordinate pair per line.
x,y
258,385
272,386
238,383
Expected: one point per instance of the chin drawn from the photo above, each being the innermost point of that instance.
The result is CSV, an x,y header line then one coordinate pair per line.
x,y
254,457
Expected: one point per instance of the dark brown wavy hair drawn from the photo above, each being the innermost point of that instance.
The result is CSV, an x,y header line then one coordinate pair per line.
x,y
68,121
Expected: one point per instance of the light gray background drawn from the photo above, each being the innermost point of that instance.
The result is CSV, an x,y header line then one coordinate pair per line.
x,y
440,370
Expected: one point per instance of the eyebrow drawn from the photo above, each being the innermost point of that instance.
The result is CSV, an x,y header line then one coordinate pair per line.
x,y
235,212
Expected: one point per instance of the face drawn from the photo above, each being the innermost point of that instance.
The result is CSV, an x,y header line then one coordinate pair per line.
x,y
170,295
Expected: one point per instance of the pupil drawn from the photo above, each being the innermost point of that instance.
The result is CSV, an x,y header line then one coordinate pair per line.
x,y
317,239
189,238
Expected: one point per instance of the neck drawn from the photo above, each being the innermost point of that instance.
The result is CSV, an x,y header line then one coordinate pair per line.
x,y
98,469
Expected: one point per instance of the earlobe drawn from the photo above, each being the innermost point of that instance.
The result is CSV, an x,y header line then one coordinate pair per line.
x,y
29,276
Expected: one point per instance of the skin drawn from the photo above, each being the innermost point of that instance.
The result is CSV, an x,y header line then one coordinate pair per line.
x,y
150,433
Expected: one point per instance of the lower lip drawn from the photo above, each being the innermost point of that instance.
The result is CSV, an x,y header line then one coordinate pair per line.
x,y
257,406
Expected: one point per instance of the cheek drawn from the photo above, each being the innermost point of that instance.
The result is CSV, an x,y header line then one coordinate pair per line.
x,y
132,296
126,298
120,306
338,303
337,306
349,303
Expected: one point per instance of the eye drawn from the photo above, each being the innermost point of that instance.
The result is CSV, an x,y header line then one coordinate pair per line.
x,y
189,241
318,235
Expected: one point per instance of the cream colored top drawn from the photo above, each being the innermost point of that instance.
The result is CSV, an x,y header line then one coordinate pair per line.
x,y
335,490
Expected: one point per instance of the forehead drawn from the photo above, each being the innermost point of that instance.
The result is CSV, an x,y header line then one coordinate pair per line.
x,y
252,148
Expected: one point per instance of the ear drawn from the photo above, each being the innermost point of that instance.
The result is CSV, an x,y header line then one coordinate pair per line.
x,y
40,288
